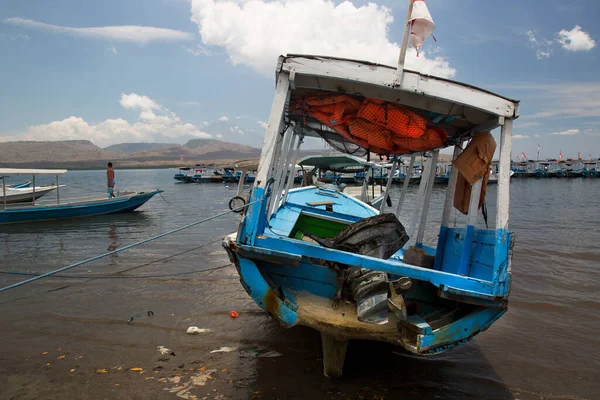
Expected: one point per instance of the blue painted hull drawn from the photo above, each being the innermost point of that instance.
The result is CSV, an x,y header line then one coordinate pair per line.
x,y
293,281
66,211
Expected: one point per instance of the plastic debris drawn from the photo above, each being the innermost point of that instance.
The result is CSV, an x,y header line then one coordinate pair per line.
x,y
270,354
193,330
101,371
136,369
258,353
182,389
224,350
72,370
233,314
164,351
137,315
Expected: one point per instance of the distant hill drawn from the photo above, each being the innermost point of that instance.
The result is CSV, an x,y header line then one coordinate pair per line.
x,y
52,153
137,147
83,154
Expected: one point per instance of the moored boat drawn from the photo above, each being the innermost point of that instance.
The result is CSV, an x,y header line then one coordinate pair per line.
x,y
67,208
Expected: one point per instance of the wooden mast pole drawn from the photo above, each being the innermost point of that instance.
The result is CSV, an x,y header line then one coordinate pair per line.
x,y
404,46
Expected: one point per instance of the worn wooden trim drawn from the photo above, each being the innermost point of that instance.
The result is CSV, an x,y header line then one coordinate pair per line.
x,y
390,178
273,129
416,90
503,199
405,185
430,181
449,201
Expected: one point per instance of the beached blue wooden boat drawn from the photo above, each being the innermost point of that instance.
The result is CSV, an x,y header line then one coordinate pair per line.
x,y
297,251
68,208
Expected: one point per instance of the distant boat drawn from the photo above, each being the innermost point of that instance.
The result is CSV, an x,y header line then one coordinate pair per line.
x,y
344,164
23,192
67,208
184,175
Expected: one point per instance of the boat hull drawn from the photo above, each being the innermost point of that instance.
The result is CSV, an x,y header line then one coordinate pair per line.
x,y
307,308
23,195
75,210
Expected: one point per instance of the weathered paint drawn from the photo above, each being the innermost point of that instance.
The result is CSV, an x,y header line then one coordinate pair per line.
x,y
263,294
458,332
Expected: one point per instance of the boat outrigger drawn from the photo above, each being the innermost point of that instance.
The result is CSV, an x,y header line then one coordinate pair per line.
x,y
65,208
332,263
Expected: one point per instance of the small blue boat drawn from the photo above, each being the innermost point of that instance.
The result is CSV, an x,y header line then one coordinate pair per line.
x,y
65,208
327,260
590,169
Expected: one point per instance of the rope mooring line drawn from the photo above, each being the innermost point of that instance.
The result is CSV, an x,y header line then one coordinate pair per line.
x,y
35,278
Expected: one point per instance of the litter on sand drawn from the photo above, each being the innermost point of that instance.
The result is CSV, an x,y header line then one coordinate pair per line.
x,y
259,353
164,351
193,330
234,314
224,350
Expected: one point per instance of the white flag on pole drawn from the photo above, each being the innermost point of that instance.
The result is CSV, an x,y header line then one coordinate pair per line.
x,y
422,25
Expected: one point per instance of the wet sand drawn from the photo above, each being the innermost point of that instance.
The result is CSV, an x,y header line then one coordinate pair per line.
x,y
269,362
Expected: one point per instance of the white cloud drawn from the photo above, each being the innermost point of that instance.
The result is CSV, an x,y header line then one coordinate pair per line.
x,y
517,137
566,99
219,136
537,136
262,124
112,49
223,118
255,32
568,132
542,47
155,123
19,36
527,124
197,51
124,33
135,101
236,129
575,39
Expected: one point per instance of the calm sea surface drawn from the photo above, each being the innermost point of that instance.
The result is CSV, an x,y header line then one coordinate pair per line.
x,y
546,346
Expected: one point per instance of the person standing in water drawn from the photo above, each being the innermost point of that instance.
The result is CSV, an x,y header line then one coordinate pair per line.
x,y
110,177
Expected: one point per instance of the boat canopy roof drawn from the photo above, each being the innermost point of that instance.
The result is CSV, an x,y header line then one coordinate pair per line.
x,y
358,106
21,171
336,163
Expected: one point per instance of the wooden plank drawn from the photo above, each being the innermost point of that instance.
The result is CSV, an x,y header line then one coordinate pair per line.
x,y
449,201
425,90
273,128
420,199
405,185
430,180
503,199
388,185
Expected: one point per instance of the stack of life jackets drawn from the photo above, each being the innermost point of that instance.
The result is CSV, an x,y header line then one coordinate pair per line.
x,y
376,125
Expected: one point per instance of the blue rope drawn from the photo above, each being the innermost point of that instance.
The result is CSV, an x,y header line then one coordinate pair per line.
x,y
35,278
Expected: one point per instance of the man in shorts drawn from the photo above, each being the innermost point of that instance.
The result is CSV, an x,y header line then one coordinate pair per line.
x,y
110,177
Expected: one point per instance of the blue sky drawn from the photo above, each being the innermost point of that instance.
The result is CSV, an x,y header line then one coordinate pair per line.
x,y
214,61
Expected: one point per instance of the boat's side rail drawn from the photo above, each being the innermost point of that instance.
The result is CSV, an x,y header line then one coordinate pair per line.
x,y
459,285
